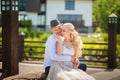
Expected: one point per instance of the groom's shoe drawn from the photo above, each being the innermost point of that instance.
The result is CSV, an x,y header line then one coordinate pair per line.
x,y
82,66
43,77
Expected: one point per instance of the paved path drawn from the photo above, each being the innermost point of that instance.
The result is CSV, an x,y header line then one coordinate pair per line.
x,y
105,74
99,74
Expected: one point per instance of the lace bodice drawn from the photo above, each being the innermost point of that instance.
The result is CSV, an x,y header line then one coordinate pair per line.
x,y
68,51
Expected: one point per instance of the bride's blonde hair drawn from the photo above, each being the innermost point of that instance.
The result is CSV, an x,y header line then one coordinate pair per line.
x,y
75,39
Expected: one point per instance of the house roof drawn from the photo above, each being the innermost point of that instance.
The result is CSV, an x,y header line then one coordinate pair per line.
x,y
33,5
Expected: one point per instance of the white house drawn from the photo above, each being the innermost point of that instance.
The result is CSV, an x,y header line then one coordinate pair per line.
x,y
70,10
41,12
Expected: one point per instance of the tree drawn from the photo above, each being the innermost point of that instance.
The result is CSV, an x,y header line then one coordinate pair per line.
x,y
102,9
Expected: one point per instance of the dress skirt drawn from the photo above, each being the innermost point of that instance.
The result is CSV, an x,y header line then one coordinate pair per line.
x,y
65,71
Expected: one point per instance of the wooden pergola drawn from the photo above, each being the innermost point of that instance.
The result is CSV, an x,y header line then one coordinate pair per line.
x,y
10,37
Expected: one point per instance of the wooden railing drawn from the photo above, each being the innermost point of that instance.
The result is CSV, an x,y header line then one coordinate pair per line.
x,y
96,55
43,42
29,50
88,56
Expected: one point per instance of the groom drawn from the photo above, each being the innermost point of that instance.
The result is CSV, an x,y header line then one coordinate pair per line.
x,y
50,50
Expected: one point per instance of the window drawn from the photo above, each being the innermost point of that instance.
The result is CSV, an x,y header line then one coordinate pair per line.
x,y
22,5
70,18
43,7
69,4
41,20
23,17
74,19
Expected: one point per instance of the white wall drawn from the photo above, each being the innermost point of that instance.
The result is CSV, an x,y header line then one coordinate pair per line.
x,y
53,8
33,17
83,7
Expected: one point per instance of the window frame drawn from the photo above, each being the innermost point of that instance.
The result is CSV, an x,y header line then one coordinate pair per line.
x,y
69,4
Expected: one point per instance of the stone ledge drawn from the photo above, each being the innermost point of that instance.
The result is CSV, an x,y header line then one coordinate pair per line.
x,y
26,76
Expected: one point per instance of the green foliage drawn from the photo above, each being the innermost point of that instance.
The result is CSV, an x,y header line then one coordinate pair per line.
x,y
104,37
24,30
45,36
34,52
40,36
86,39
118,25
0,33
118,45
39,33
98,30
26,24
91,46
25,27
102,9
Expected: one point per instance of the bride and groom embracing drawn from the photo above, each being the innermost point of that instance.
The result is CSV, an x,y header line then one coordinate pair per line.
x,y
62,50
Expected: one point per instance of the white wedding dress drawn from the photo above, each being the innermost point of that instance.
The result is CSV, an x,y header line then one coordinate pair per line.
x,y
64,70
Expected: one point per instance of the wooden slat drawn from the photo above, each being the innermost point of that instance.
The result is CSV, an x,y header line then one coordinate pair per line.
x,y
94,55
34,52
34,57
34,47
31,41
95,43
93,61
95,49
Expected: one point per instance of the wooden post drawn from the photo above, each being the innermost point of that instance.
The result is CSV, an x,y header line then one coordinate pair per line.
x,y
21,46
112,25
10,37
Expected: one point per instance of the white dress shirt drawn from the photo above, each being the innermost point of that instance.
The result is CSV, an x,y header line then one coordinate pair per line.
x,y
50,52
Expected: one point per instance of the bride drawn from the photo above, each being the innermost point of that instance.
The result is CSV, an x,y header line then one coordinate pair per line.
x,y
69,44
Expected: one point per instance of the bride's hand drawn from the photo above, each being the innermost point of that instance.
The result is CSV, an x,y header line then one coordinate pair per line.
x,y
76,63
